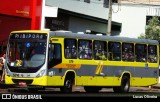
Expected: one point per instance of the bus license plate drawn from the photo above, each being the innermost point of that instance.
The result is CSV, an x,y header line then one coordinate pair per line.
x,y
22,83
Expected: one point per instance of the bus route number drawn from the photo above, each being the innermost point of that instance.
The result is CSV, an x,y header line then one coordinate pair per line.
x,y
70,61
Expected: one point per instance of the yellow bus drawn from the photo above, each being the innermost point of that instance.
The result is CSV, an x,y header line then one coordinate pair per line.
x,y
39,59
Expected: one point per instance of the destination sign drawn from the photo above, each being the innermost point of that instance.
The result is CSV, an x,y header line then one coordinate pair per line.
x,y
28,36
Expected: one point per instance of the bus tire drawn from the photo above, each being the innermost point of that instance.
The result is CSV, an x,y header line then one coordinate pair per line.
x,y
125,85
92,89
68,85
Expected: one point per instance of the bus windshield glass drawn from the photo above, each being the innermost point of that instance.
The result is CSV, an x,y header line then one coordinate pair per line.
x,y
26,52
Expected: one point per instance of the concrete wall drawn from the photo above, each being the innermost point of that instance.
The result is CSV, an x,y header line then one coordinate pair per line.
x,y
95,8
81,25
133,20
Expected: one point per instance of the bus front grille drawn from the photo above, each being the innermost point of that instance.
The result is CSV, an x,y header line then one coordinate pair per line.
x,y
27,81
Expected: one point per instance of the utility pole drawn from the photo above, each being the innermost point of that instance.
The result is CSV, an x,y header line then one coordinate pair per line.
x,y
109,18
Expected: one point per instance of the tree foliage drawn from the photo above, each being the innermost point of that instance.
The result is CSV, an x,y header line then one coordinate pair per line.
x,y
152,29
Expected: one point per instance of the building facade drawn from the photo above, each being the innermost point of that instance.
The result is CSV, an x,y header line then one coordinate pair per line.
x,y
134,15
18,15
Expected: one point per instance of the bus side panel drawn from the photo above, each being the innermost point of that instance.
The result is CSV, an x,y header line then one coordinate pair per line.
x,y
55,81
137,81
97,81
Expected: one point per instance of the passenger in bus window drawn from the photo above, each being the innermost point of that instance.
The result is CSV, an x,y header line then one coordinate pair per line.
x,y
103,56
125,55
74,52
140,54
151,55
82,51
86,55
96,53
79,53
131,56
90,53
142,57
67,52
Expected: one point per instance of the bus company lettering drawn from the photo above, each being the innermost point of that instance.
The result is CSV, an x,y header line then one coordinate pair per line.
x,y
24,36
71,65
77,66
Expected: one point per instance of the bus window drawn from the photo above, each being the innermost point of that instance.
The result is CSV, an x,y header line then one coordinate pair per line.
x,y
141,52
70,46
152,53
55,56
85,49
15,53
100,50
114,50
127,52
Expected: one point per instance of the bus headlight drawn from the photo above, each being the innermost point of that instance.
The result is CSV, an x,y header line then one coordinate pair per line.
x,y
41,73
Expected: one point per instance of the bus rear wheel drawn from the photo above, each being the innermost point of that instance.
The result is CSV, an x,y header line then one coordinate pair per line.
x,y
125,85
68,84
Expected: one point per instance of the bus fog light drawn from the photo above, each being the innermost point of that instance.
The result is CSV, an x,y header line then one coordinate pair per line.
x,y
41,73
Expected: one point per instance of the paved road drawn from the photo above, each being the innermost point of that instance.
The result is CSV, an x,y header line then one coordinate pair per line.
x,y
79,92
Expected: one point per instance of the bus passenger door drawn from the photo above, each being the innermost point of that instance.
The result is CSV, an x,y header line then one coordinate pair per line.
x,y
55,54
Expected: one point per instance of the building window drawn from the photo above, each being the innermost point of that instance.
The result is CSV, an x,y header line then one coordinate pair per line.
x,y
87,1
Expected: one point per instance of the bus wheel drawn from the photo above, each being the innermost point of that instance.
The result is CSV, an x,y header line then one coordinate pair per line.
x,y
68,84
92,89
125,85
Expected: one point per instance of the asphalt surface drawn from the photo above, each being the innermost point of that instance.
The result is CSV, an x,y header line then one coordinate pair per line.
x,y
79,94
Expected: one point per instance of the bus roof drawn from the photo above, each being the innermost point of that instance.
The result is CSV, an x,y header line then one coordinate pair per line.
x,y
31,31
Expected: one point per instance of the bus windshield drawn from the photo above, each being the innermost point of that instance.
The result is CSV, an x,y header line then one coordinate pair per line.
x,y
26,54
